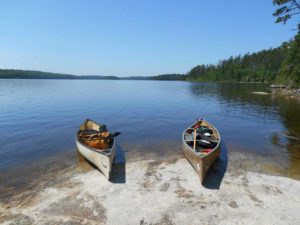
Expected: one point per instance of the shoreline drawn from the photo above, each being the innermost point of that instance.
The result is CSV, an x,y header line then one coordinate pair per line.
x,y
81,195
282,90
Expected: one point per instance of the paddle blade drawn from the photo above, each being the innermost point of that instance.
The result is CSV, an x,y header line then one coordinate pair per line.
x,y
115,134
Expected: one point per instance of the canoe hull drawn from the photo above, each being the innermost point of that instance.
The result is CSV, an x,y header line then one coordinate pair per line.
x,y
101,158
102,161
201,164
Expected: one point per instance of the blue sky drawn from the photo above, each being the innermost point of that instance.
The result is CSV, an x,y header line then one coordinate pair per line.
x,y
133,37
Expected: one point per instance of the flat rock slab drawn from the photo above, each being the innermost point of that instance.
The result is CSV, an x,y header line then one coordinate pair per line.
x,y
160,193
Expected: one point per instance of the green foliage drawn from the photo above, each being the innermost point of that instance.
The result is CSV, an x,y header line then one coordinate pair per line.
x,y
287,8
29,74
262,66
168,77
289,73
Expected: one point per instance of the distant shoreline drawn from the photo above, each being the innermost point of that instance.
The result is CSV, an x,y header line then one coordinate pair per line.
x,y
30,74
40,75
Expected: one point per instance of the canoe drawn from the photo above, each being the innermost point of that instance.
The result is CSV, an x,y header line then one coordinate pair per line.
x,y
203,150
97,145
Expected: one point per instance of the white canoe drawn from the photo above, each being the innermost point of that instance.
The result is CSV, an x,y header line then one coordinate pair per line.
x,y
101,156
201,152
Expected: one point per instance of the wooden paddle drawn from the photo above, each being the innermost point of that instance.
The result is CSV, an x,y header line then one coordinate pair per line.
x,y
97,136
195,136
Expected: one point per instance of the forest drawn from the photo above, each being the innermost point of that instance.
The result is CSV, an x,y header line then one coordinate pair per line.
x,y
30,74
278,65
262,66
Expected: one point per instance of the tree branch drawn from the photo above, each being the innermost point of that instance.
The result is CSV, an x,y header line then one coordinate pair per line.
x,y
296,3
295,13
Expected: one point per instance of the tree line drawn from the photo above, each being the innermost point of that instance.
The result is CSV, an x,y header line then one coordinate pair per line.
x,y
278,65
30,74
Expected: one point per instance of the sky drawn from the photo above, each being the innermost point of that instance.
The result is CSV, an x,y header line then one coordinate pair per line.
x,y
133,37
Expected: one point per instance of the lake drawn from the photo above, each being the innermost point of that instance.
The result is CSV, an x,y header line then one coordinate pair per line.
x,y
39,119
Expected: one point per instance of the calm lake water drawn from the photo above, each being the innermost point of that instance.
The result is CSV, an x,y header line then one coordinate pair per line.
x,y
39,118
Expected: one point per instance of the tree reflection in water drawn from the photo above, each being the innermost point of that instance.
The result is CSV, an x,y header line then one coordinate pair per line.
x,y
264,124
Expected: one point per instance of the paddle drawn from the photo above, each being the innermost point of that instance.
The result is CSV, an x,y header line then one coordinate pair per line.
x,y
111,136
195,136
96,135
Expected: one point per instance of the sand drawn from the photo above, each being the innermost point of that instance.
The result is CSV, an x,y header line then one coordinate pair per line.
x,y
158,192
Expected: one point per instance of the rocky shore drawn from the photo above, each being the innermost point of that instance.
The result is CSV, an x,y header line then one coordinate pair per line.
x,y
285,90
157,192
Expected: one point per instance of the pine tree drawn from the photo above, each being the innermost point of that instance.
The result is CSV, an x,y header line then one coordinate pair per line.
x,y
290,69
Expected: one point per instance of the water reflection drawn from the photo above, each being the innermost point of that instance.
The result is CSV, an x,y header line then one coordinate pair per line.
x,y
289,109
265,124
39,118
